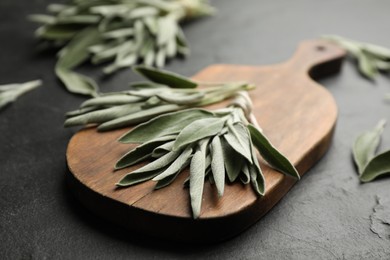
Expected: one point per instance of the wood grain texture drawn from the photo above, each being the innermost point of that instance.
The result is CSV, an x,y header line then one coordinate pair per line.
x,y
297,115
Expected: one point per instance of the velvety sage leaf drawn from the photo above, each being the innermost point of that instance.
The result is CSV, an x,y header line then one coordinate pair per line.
x,y
56,8
176,165
238,138
197,175
149,58
103,115
138,117
118,33
76,51
167,28
42,18
141,152
137,177
78,19
141,12
256,175
233,161
160,162
367,65
382,65
171,48
245,175
376,50
164,125
217,164
166,78
166,181
271,154
198,130
163,149
111,100
366,144
146,84
377,166
121,63
56,32
10,92
160,58
81,111
181,99
77,83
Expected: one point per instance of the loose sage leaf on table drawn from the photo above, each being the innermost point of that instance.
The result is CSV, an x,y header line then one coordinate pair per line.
x,y
371,58
122,32
271,154
376,167
166,78
10,92
366,144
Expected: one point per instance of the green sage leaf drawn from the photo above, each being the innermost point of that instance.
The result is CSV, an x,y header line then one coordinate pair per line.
x,y
103,115
367,65
238,139
366,144
137,177
10,92
111,100
77,83
376,167
176,165
141,152
163,149
376,50
181,99
198,130
233,167
166,78
197,175
160,162
136,118
245,175
218,165
256,175
163,125
271,154
76,51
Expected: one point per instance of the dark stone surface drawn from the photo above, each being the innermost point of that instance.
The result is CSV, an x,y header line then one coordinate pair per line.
x,y
327,215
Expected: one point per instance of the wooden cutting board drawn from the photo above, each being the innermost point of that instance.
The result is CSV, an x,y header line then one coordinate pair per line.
x,y
297,114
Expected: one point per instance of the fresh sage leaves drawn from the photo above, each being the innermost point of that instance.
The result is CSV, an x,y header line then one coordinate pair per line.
x,y
216,145
121,33
371,58
10,92
369,164
166,92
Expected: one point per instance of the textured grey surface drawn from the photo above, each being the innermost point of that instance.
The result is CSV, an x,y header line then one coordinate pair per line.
x,y
327,215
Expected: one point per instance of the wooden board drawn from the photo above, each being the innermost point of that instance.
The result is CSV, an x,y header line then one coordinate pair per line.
x,y
296,113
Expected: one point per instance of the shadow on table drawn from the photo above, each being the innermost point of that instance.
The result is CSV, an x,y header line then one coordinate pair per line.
x,y
114,231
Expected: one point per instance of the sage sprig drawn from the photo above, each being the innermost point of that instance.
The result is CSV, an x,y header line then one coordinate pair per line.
x,y
371,58
371,165
165,92
217,146
121,32
10,92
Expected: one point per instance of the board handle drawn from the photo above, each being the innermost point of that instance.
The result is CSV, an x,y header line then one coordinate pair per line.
x,y
318,58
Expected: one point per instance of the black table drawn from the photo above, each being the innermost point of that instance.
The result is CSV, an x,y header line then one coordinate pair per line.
x,y
327,215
